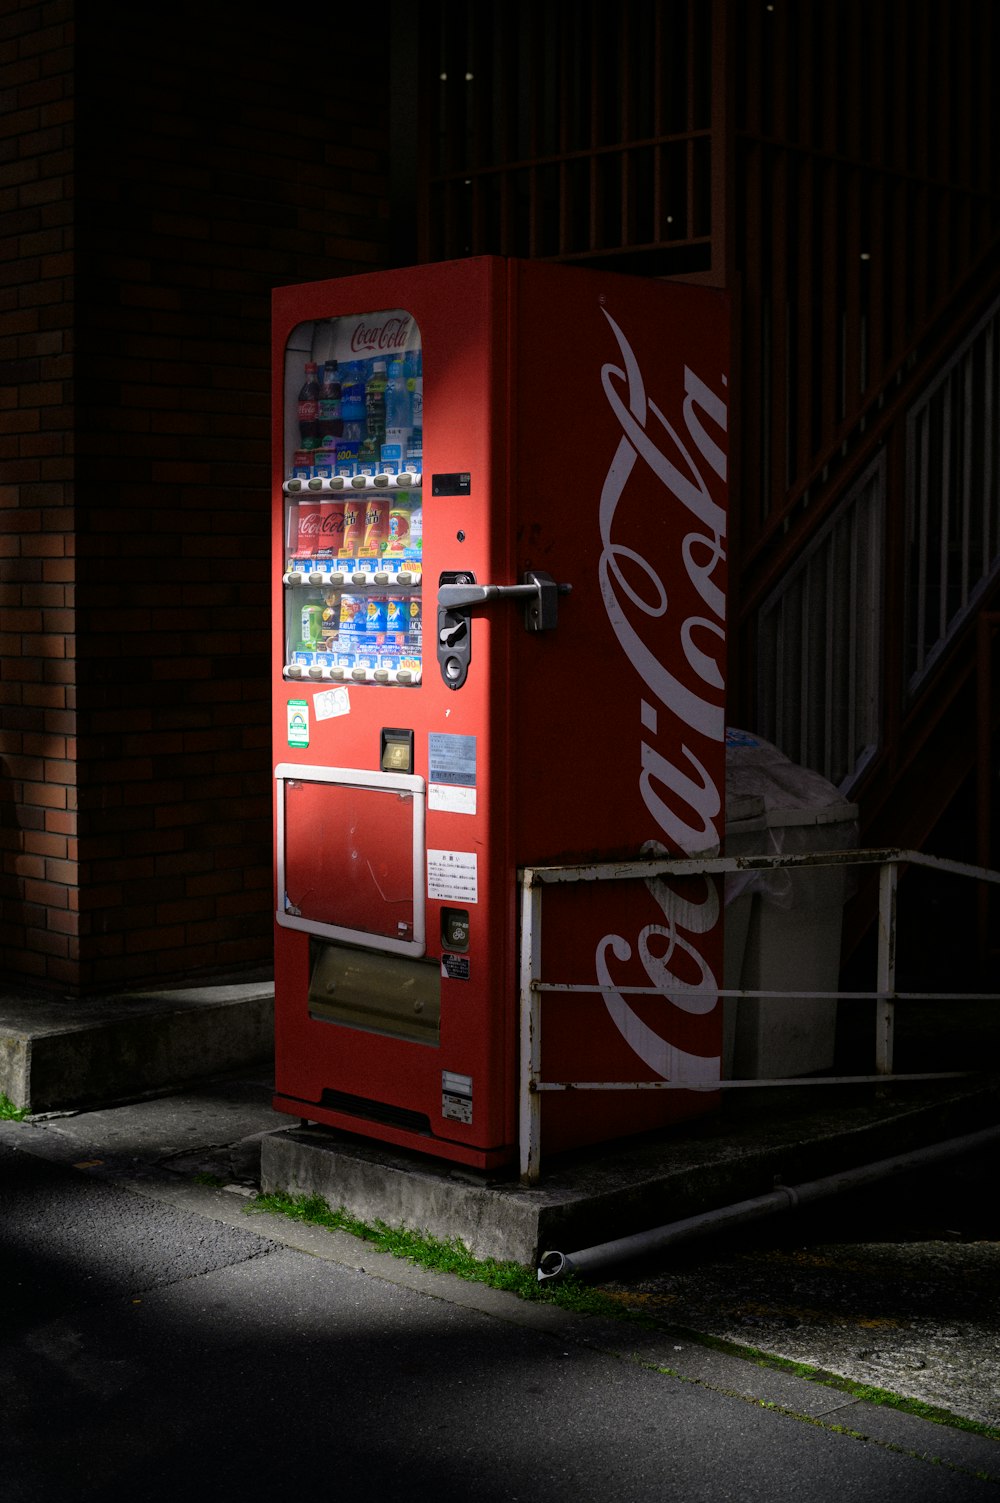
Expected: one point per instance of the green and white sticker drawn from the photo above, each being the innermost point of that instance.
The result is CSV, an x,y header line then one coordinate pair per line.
x,y
298,722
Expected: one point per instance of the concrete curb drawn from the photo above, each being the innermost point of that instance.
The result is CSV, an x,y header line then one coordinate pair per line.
x,y
57,1056
621,1189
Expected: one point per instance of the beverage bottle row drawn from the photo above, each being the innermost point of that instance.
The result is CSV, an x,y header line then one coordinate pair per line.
x,y
356,401
341,621
356,527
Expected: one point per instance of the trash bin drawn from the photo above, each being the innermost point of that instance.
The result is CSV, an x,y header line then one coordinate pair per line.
x,y
746,835
786,924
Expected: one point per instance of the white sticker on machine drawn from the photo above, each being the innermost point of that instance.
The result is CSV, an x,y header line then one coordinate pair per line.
x,y
332,702
452,800
453,876
456,1096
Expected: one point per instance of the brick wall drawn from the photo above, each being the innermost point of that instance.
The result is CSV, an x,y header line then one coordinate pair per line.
x,y
213,162
39,908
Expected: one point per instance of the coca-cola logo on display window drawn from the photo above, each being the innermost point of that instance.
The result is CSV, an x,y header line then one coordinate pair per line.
x,y
671,460
379,333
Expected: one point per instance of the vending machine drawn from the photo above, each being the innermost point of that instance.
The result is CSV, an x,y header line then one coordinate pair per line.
x,y
499,533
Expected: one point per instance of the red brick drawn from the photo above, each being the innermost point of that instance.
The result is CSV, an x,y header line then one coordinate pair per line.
x,y
48,894
45,845
45,795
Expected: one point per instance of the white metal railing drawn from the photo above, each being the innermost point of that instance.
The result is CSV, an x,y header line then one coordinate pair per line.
x,y
819,641
952,496
533,881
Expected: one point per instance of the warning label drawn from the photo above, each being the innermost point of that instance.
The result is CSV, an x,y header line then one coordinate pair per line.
x,y
453,876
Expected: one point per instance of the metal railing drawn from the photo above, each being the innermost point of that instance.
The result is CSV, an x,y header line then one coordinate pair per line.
x,y
820,641
952,497
533,881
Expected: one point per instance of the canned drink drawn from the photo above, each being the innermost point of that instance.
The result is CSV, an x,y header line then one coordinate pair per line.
x,y
331,616
376,526
331,527
399,530
416,619
352,615
376,612
354,527
397,617
307,539
291,527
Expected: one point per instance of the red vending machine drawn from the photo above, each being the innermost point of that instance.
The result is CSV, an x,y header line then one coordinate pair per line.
x,y
499,641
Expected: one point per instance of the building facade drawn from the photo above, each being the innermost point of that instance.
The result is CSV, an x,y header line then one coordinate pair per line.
x,y
832,165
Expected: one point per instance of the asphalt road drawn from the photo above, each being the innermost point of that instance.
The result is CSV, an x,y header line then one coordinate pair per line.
x,y
155,1340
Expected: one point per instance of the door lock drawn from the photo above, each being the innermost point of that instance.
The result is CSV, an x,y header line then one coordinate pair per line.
x,y
458,593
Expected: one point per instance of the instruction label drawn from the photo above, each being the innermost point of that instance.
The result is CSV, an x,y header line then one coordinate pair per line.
x,y
453,876
456,1096
451,759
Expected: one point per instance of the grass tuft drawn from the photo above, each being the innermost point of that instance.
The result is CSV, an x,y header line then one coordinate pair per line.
x,y
11,1113
451,1256
571,1294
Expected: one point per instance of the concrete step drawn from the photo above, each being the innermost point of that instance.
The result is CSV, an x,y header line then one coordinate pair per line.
x,y
756,1139
66,1054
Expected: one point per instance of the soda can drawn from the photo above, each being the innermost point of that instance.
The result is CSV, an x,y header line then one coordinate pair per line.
x,y
307,540
331,527
416,627
354,527
399,530
376,526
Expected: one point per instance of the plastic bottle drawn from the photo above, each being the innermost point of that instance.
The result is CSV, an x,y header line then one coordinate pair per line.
x,y
309,409
312,623
352,397
375,390
398,405
415,386
331,422
415,541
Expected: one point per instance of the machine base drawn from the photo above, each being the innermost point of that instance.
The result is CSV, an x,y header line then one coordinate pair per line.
x,y
383,1132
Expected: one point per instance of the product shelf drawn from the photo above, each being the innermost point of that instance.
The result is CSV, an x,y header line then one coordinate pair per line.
x,y
314,673
354,581
338,484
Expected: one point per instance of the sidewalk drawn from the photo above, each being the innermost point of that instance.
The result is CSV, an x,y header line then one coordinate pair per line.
x,y
225,1131
156,1336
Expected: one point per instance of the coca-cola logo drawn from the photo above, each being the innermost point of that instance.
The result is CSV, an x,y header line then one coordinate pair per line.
x,y
676,715
390,335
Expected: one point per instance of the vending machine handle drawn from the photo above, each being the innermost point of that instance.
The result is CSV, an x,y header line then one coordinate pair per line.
x,y
538,590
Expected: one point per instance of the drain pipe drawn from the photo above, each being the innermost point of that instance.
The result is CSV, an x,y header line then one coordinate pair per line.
x,y
554,1265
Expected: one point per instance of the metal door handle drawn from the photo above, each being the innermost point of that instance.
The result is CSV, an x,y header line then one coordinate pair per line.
x,y
538,590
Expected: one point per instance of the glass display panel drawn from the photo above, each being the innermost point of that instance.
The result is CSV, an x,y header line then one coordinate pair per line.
x,y
352,495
